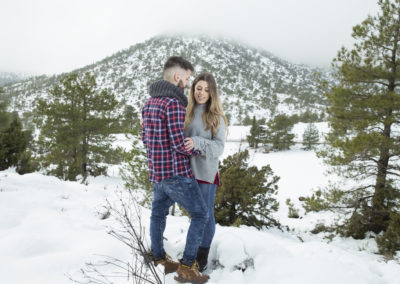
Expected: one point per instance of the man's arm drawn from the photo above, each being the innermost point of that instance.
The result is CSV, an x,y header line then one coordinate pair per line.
x,y
175,115
142,127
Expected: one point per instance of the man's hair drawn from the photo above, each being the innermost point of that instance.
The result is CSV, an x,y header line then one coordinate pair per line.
x,y
177,61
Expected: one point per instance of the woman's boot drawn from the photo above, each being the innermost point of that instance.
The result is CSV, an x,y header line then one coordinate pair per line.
x,y
202,257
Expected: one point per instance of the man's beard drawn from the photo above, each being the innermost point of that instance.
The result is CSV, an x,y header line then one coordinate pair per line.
x,y
181,85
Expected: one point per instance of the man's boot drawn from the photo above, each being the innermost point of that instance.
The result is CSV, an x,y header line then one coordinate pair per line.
x,y
202,257
169,265
187,274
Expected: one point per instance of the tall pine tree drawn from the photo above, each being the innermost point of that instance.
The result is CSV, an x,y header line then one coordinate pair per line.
x,y
364,114
76,122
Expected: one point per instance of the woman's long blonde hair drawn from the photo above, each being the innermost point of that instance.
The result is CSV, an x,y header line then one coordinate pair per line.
x,y
213,112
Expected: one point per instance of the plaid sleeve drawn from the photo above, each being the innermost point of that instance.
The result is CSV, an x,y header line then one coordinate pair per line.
x,y
142,128
175,115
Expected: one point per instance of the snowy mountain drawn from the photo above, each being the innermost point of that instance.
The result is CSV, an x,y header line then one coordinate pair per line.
x,y
250,81
8,77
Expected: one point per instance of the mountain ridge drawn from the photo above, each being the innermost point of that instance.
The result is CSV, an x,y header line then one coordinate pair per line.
x,y
250,81
12,77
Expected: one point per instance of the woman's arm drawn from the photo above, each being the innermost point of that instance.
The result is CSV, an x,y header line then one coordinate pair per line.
x,y
211,147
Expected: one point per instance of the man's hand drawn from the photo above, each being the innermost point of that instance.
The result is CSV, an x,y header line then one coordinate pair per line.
x,y
189,144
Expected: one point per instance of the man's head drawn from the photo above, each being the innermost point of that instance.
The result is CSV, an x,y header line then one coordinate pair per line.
x,y
177,71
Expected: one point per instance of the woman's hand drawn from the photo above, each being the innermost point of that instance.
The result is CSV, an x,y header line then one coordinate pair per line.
x,y
189,144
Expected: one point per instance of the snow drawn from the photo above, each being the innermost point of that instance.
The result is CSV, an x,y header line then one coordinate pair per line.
x,y
50,228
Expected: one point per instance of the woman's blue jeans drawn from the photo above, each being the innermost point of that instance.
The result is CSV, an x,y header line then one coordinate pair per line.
x,y
186,193
208,193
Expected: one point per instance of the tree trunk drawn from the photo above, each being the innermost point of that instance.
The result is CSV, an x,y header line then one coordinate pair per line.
x,y
380,214
85,137
232,213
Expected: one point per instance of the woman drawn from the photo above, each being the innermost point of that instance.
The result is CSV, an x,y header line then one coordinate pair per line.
x,y
205,129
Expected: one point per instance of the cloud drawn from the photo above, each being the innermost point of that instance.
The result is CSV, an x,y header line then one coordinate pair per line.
x,y
47,36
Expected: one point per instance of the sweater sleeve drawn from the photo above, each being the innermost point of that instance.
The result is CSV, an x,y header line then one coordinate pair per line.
x,y
211,147
175,116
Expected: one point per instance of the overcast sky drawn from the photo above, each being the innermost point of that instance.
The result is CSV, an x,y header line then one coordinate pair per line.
x,y
54,36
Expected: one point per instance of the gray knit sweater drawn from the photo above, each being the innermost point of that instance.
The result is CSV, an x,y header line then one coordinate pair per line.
x,y
205,167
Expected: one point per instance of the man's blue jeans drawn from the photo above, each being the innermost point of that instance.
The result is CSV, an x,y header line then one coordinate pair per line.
x,y
186,193
208,193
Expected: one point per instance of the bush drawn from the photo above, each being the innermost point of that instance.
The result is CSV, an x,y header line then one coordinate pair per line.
x,y
247,194
13,142
27,164
293,212
355,227
389,242
315,202
135,172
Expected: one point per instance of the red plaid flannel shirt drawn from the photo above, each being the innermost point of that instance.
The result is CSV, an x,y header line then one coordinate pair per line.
x,y
162,134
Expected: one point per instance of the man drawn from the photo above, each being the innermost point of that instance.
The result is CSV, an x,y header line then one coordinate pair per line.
x,y
163,119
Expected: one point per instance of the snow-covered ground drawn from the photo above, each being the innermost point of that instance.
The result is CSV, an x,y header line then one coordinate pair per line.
x,y
50,228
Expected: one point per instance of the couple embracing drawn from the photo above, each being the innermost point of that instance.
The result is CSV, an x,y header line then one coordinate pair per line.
x,y
184,139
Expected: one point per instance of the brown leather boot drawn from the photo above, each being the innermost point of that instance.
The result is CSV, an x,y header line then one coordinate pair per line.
x,y
187,274
169,265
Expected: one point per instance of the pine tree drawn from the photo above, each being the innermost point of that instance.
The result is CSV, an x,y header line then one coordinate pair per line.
x,y
130,118
76,122
247,120
13,143
27,163
308,116
247,194
257,133
310,136
4,115
364,113
278,132
135,171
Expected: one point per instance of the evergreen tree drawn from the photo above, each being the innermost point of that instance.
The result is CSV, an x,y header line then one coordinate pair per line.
x,y
13,143
257,133
310,136
76,122
308,116
130,118
364,113
295,118
247,120
278,132
135,171
26,163
293,212
247,194
4,115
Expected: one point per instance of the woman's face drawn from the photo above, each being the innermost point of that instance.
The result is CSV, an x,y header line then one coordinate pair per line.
x,y
201,92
